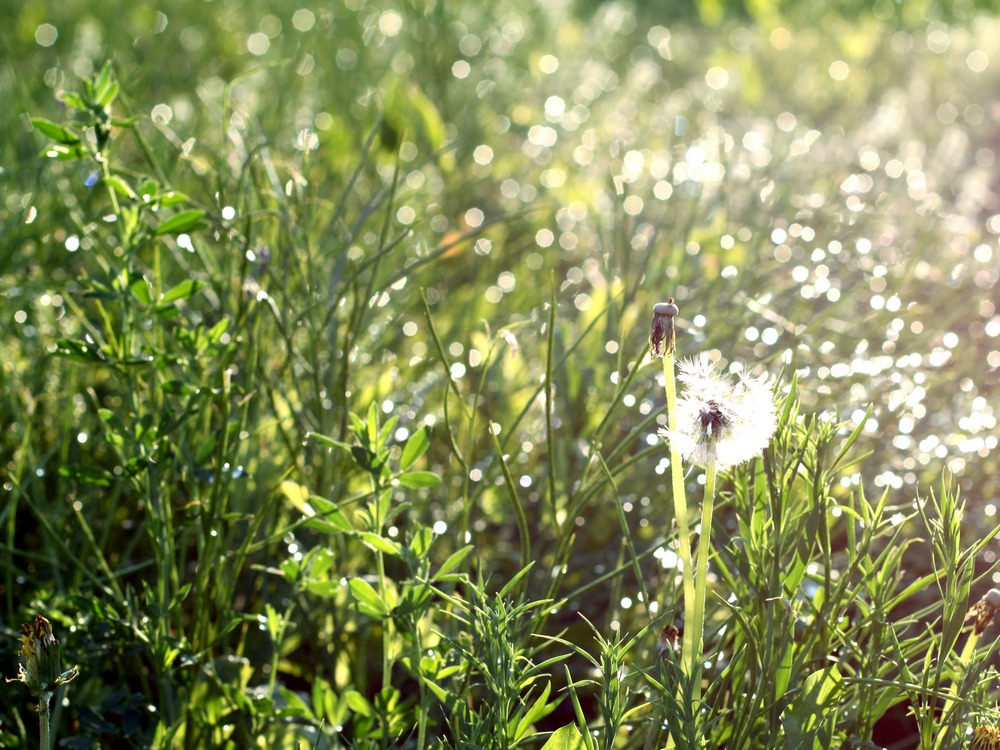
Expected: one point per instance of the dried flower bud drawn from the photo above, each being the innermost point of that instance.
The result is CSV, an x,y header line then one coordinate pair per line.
x,y
985,737
669,640
983,611
40,666
662,335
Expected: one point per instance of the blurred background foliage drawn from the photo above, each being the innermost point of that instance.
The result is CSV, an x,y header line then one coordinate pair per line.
x,y
814,182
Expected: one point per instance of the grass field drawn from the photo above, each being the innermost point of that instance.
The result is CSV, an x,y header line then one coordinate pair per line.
x,y
330,418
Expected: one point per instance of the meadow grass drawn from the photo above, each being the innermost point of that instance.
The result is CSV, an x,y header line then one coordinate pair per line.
x,y
331,419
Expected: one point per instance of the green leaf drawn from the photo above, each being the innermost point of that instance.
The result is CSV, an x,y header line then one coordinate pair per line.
x,y
56,132
809,719
86,475
369,602
418,479
367,459
184,221
184,290
120,186
325,589
79,351
453,562
294,706
141,290
415,447
180,596
148,189
172,198
126,122
358,703
103,77
73,99
439,692
328,442
115,432
539,710
566,738
783,673
64,152
179,388
379,543
324,516
215,332
105,87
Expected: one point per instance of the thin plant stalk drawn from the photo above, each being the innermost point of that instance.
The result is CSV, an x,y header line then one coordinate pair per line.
x,y
41,673
965,658
982,613
44,721
681,514
696,626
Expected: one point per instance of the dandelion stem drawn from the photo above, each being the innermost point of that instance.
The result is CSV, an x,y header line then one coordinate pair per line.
x,y
681,514
44,722
697,624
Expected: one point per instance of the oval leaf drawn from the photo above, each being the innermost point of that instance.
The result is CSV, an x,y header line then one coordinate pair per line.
x,y
65,151
172,198
367,598
141,290
55,131
415,447
86,475
419,479
120,186
184,221
379,543
184,290
566,738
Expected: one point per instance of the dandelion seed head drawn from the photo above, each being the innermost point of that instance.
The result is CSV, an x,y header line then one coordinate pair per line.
x,y
715,417
721,419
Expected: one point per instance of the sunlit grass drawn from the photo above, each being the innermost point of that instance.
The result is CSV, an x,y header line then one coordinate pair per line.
x,y
329,415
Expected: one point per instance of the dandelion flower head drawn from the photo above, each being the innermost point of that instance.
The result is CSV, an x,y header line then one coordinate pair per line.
x,y
722,419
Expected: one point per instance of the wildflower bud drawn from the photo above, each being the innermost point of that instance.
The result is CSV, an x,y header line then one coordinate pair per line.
x,y
40,666
662,337
669,640
983,611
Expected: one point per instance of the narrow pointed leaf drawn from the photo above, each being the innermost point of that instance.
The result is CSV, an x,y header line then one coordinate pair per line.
x,y
184,290
55,131
367,598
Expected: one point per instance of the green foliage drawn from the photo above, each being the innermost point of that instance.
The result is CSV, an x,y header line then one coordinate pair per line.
x,y
327,419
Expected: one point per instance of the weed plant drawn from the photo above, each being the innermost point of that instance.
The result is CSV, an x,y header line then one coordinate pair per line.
x,y
330,423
